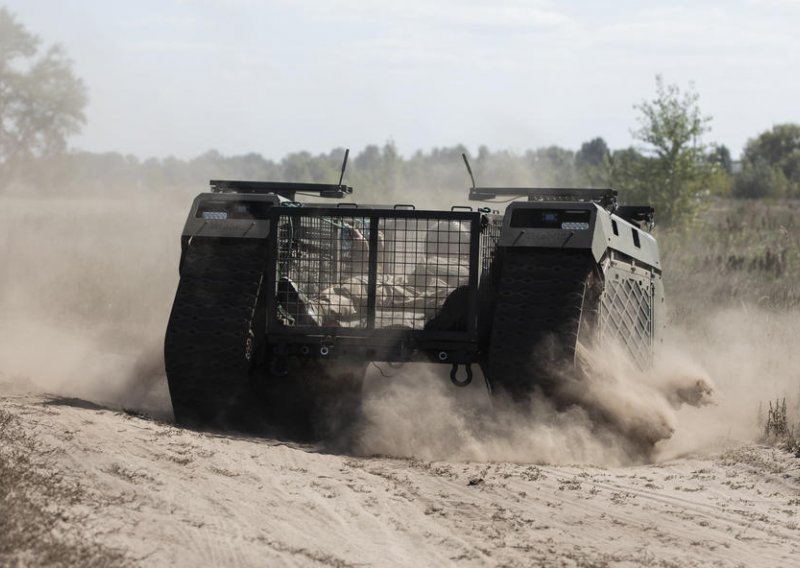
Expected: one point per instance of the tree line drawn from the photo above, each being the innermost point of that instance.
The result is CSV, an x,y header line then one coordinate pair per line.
x,y
670,166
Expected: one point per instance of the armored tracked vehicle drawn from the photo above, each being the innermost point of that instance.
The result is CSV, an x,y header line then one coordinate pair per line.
x,y
283,303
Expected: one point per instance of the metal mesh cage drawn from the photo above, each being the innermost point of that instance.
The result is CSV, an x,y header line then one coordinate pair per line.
x,y
314,255
369,270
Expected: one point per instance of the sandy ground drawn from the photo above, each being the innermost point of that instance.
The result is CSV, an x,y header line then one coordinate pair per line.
x,y
168,496
440,475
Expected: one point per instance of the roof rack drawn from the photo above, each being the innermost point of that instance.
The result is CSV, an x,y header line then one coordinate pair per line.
x,y
604,197
284,189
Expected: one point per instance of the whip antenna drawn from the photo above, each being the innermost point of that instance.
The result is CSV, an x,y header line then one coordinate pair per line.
x,y
469,170
344,165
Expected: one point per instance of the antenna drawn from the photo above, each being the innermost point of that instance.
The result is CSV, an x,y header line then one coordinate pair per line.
x,y
466,163
344,165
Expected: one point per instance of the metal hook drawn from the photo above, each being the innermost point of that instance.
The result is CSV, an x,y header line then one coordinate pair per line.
x,y
454,379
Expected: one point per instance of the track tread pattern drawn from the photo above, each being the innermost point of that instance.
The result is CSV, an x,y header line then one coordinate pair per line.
x,y
536,317
206,341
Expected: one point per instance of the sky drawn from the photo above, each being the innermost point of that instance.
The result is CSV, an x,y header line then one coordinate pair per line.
x,y
181,77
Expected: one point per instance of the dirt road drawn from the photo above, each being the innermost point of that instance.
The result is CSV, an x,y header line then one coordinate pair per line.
x,y
162,495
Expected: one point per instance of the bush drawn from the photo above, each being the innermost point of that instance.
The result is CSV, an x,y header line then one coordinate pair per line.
x,y
778,429
759,180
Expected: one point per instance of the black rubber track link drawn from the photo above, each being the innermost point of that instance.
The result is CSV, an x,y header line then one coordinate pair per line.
x,y
210,332
536,320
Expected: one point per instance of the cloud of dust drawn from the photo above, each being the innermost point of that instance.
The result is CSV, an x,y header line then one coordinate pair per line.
x,y
702,394
420,414
752,356
85,293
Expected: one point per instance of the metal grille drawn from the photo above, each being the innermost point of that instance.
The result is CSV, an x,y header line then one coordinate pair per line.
x,y
314,255
489,239
626,314
424,260
367,270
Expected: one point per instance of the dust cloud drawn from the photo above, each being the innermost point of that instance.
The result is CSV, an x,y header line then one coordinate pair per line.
x,y
753,357
610,414
706,391
85,292
420,415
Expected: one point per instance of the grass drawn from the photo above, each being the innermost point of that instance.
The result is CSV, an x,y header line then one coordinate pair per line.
x,y
736,252
38,525
779,430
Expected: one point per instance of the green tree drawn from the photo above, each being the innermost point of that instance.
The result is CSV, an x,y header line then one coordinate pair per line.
x,y
778,150
593,163
721,156
673,172
41,99
553,166
626,168
759,179
774,145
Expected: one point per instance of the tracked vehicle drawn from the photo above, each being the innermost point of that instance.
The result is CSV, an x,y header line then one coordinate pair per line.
x,y
283,303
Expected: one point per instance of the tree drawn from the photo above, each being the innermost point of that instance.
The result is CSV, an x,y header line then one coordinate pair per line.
x,y
777,150
673,172
775,145
721,156
626,169
553,166
592,162
759,179
41,100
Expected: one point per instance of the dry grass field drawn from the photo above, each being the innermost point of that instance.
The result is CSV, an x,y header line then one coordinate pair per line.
x,y
736,253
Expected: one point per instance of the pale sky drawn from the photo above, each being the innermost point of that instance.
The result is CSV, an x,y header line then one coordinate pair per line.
x,y
180,77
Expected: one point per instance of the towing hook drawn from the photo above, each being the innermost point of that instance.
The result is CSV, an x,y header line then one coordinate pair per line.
x,y
454,372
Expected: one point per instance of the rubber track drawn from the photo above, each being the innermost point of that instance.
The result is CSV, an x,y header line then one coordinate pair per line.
x,y
536,317
206,341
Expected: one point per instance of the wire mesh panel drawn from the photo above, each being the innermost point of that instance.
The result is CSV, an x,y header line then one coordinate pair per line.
x,y
490,236
374,269
421,263
627,314
322,269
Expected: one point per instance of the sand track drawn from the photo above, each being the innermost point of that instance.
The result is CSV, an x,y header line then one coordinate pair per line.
x,y
169,496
